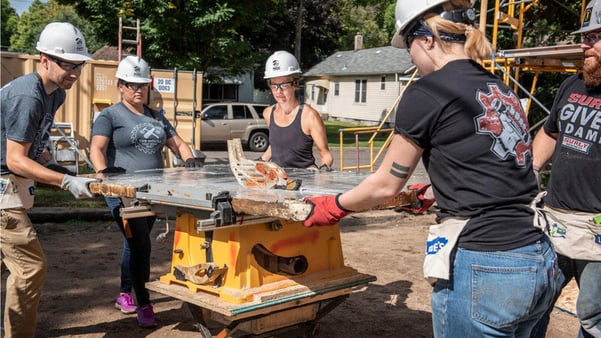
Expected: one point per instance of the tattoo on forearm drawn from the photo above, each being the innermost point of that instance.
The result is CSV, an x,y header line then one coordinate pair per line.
x,y
399,171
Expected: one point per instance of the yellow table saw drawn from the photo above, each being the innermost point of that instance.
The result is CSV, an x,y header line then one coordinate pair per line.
x,y
241,257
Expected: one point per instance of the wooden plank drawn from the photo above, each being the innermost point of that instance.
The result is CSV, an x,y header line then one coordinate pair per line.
x,y
112,190
290,209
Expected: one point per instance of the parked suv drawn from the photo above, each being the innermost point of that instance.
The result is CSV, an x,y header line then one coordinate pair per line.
x,y
226,121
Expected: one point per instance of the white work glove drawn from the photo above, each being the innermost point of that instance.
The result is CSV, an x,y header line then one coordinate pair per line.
x,y
78,186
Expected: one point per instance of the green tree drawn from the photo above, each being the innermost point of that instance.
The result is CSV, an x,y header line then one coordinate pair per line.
x,y
8,21
33,21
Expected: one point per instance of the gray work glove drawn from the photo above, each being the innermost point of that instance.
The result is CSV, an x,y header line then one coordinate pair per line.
x,y
78,186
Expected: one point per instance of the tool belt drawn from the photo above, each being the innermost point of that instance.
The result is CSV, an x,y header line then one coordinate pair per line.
x,y
16,192
574,234
441,242
442,239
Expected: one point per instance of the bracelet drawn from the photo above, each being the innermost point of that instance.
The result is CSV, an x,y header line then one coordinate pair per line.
x,y
536,168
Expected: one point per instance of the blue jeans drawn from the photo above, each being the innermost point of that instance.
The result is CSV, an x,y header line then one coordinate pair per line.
x,y
588,303
126,286
496,294
139,245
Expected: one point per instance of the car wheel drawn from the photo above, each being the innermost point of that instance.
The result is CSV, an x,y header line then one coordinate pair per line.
x,y
258,141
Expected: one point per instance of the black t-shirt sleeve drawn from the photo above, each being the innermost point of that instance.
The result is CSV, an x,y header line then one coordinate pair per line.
x,y
416,116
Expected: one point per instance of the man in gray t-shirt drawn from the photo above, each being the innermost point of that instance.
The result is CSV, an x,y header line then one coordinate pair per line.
x,y
29,104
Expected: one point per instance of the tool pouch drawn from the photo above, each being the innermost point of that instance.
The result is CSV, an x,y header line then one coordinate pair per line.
x,y
574,234
441,242
16,192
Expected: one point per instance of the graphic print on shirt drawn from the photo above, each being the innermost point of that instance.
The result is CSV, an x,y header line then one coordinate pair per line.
x,y
580,120
40,139
147,137
504,120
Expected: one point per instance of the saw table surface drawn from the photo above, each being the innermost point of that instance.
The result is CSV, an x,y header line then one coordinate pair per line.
x,y
195,187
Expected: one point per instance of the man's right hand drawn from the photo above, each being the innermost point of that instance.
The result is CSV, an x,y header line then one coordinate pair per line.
x,y
78,186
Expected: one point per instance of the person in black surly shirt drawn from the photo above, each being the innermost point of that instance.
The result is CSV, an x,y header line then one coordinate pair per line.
x,y
571,139
493,270
293,126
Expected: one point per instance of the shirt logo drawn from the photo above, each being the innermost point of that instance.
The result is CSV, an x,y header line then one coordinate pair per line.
x,y
504,120
147,138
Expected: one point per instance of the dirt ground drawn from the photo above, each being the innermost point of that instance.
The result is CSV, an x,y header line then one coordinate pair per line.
x,y
83,281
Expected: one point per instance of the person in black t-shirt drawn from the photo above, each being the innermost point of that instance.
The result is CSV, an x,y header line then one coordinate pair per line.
x,y
294,127
493,270
571,139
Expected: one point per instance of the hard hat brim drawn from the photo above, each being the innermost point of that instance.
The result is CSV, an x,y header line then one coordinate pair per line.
x,y
398,41
67,56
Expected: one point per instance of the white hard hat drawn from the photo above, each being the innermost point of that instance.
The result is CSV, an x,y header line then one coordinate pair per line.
x,y
134,69
406,12
64,41
592,18
281,63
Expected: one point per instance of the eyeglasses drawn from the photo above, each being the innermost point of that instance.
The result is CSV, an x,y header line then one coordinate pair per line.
x,y
65,65
591,38
282,86
135,86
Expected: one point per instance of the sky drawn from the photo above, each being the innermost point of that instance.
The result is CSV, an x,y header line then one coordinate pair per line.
x,y
21,5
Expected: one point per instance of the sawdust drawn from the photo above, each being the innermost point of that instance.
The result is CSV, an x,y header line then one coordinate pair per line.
x,y
83,282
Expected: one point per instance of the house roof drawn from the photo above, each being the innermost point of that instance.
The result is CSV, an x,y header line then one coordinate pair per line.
x,y
381,60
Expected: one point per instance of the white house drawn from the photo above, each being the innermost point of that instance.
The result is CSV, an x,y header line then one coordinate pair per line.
x,y
360,85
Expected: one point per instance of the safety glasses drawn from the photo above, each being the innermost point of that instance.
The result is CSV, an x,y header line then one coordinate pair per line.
x,y
65,65
591,38
135,86
282,86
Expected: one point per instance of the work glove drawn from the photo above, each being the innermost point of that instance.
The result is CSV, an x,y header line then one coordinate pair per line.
x,y
112,170
78,186
52,165
325,211
194,162
423,203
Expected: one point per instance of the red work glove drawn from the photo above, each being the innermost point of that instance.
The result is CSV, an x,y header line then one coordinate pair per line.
x,y
326,211
423,203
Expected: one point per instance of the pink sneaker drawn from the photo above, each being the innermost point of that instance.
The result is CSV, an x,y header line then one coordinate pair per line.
x,y
125,303
146,316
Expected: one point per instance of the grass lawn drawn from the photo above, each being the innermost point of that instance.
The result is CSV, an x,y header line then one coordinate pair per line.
x,y
333,133
53,197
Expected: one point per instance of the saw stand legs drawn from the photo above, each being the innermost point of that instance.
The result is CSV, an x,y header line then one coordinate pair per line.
x,y
307,329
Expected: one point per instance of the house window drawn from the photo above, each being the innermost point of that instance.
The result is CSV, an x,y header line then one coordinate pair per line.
x,y
336,88
313,93
383,82
360,91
